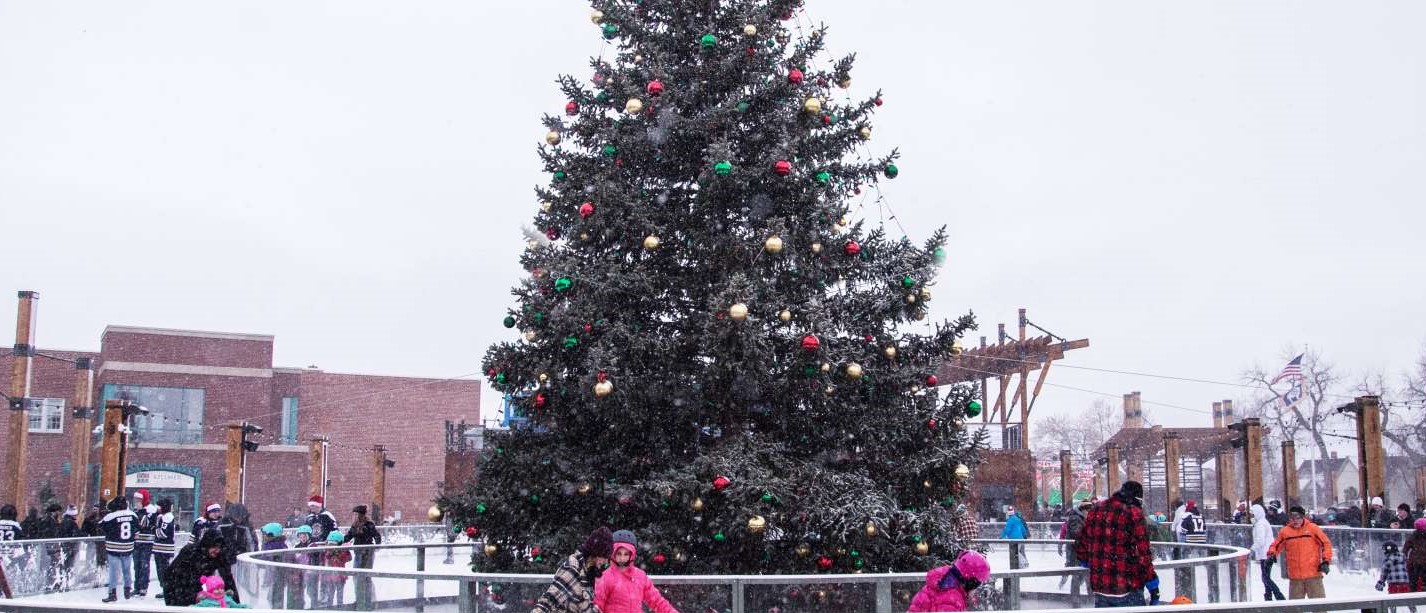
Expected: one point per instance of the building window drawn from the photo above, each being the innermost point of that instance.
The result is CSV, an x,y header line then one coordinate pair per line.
x,y
289,420
46,414
175,413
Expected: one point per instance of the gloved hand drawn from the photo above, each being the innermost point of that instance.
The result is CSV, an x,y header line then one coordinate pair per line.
x,y
1153,586
1325,567
1084,563
1380,585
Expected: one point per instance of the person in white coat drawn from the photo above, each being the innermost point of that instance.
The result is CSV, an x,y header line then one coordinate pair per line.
x,y
1262,538
1180,512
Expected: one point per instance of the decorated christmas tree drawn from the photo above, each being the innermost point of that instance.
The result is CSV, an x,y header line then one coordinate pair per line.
x,y
713,350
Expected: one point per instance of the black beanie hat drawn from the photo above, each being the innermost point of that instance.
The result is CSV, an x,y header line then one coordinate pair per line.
x,y
54,508
600,543
1298,510
1132,489
119,503
165,504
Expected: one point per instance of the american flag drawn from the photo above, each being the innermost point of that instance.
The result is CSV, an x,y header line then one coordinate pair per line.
x,y
1293,370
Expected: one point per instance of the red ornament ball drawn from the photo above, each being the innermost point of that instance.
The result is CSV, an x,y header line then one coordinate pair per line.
x,y
572,108
782,168
472,531
810,343
660,559
931,424
655,87
931,380
540,400
586,209
721,483
794,76
536,551
824,562
877,101
552,234
852,248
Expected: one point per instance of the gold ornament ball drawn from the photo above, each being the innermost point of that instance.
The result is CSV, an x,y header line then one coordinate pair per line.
x,y
845,83
584,236
696,505
544,376
826,367
870,529
842,221
584,488
638,58
920,315
926,484
596,16
679,556
812,105
911,299
864,133
816,248
756,524
921,548
738,312
956,347
925,295
854,371
784,316
962,471
491,549
545,205
890,351
750,30
651,242
634,105
829,390
434,514
773,244
803,550
552,137
531,244
529,336
603,388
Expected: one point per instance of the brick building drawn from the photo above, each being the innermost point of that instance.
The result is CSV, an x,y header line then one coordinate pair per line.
x,y
196,383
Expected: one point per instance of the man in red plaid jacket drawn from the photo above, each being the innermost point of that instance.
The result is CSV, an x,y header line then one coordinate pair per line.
x,y
1114,545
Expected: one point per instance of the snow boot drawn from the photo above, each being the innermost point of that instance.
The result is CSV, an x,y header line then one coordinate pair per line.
x,y
128,593
112,597
158,595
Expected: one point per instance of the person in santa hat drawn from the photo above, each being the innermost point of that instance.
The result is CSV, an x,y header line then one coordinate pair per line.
x,y
143,540
319,518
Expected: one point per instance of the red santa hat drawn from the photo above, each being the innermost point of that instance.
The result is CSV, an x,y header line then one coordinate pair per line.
x,y
317,500
143,496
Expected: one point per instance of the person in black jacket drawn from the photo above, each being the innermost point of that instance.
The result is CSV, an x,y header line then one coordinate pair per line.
x,y
362,532
68,529
49,529
120,526
164,527
194,561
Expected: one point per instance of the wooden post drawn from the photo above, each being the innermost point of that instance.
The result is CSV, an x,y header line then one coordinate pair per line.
x,y
1252,458
1024,378
1226,469
113,454
1369,454
378,480
1172,468
233,471
13,489
1420,484
1067,478
82,414
1111,474
317,467
1289,474
1097,478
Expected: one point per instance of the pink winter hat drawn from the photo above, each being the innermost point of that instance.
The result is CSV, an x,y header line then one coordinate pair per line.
x,y
1420,523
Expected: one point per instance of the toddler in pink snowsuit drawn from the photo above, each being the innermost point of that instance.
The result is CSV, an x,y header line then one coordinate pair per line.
x,y
948,588
624,588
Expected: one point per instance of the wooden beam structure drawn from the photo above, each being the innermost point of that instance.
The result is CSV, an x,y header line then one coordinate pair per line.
x,y
317,467
82,420
1111,472
113,453
233,466
378,480
1067,478
1252,458
1289,474
1370,457
1173,467
13,485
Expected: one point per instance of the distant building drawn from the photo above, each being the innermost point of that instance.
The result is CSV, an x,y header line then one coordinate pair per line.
x,y
1337,481
196,383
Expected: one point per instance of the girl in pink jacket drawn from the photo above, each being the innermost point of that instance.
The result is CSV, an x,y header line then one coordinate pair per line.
x,y
624,588
948,588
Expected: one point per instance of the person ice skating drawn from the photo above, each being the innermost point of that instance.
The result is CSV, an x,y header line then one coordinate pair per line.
x,y
967,528
237,529
144,509
163,532
1394,578
1074,524
309,580
572,588
1262,539
284,585
214,594
197,559
948,588
363,532
334,585
212,514
1193,529
1180,511
1114,545
68,529
1015,526
1415,553
1309,555
626,588
320,519
10,530
120,526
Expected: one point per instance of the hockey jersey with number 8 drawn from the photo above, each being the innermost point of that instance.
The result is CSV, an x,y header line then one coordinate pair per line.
x,y
120,528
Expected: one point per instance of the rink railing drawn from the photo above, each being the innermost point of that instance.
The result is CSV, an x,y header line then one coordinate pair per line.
x,y
1219,575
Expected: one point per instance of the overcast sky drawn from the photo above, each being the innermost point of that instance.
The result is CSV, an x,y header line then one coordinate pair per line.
x,y
1192,185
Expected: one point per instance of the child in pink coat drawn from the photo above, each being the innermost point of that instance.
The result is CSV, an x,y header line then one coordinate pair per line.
x,y
948,588
625,588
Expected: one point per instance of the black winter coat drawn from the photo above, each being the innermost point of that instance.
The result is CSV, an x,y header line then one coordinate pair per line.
x,y
181,583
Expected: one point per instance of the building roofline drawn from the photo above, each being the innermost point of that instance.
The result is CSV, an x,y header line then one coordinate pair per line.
x,y
232,336
475,378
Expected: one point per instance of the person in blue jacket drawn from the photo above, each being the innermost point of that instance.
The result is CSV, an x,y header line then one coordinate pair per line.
x,y
1015,527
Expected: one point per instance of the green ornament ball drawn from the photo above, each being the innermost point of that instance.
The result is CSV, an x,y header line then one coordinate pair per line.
x,y
973,409
708,41
743,106
610,30
908,282
610,150
824,177
563,284
560,175
939,255
570,342
509,321
719,536
892,171
481,508
768,497
500,377
534,499
723,169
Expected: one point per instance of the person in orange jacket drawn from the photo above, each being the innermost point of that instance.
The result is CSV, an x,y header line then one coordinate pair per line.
x,y
1309,555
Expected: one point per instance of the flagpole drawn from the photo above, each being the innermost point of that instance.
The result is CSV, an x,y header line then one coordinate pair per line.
x,y
1316,450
